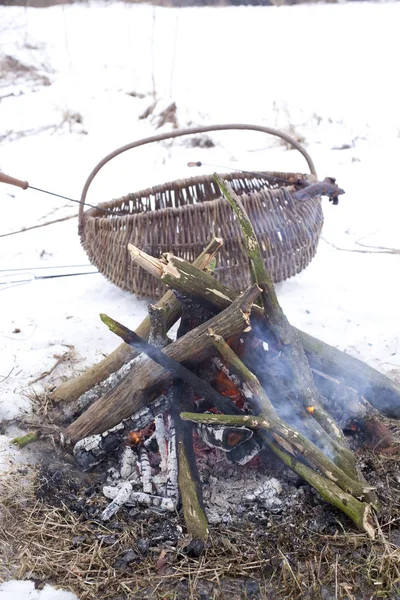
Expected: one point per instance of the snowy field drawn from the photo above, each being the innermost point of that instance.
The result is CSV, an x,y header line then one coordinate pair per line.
x,y
75,82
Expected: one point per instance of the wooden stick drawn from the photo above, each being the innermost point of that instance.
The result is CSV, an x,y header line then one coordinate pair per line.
x,y
74,388
144,381
188,475
286,337
379,390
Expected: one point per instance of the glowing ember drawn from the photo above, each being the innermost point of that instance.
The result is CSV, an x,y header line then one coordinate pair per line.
x,y
226,387
134,437
137,437
310,409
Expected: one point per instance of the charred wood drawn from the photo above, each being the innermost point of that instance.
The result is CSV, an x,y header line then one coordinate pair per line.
x,y
90,451
352,411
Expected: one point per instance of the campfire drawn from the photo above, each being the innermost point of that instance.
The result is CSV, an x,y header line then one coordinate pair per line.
x,y
238,386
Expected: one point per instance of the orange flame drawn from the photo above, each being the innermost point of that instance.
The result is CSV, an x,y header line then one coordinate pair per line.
x,y
226,387
134,437
137,437
310,409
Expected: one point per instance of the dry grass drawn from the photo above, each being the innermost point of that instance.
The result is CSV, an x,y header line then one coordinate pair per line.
x,y
51,532
311,551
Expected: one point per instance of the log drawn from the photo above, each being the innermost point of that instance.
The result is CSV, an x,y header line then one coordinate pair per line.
x,y
72,389
188,475
377,388
350,409
287,340
141,384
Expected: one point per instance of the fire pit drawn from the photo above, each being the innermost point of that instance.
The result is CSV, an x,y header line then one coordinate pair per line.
x,y
238,381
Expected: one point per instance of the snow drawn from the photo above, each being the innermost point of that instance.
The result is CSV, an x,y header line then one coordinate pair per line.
x,y
25,590
311,70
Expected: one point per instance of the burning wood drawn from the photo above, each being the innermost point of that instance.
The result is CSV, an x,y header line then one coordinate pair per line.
x,y
90,451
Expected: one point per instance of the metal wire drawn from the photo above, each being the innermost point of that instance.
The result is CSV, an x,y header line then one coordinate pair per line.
x,y
110,212
5,285
42,268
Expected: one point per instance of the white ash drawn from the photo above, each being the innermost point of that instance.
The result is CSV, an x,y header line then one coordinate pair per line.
x,y
268,491
125,495
127,468
172,490
161,442
232,492
121,497
145,470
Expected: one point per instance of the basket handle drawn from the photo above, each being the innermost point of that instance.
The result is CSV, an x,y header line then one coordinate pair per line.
x,y
190,131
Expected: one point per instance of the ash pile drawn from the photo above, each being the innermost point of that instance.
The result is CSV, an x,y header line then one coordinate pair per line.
x,y
139,468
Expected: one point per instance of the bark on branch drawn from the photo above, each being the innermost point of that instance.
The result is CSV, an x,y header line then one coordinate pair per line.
x,y
287,339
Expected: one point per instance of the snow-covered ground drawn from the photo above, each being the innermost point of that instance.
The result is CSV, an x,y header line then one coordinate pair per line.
x,y
76,79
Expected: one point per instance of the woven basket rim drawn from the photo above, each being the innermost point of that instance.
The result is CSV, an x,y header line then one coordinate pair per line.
x,y
172,185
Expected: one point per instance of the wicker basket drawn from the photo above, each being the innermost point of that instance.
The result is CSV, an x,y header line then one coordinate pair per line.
x,y
182,216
